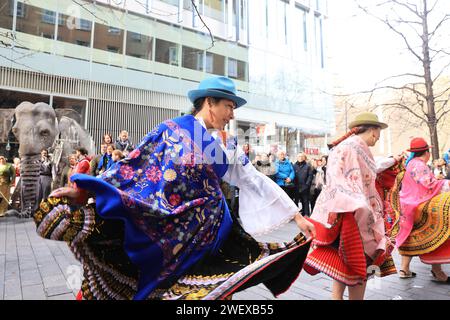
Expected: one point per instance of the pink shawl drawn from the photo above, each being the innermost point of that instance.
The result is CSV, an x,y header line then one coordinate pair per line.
x,y
350,187
418,186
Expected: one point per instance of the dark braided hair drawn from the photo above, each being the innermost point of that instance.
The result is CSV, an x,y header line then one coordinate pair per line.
x,y
199,103
355,130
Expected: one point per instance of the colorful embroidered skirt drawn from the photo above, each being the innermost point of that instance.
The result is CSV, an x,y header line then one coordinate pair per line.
x,y
429,238
339,253
240,263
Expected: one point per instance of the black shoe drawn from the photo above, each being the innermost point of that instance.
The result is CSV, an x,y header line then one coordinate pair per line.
x,y
436,279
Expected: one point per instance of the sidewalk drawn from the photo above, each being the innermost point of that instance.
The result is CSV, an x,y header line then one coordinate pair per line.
x,y
35,268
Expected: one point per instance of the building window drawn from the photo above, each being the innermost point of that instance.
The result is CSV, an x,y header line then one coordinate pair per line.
x,y
166,52
243,13
322,62
187,4
108,38
301,15
112,49
215,64
214,9
139,45
6,14
319,39
84,25
37,21
114,31
172,2
282,21
74,30
48,16
267,18
193,58
82,43
237,69
20,9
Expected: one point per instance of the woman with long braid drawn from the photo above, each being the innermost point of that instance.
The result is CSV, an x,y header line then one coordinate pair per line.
x,y
348,216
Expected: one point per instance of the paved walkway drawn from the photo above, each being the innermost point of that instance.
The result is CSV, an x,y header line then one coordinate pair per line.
x,y
39,269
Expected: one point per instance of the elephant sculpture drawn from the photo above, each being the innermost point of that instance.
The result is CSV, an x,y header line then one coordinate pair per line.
x,y
37,127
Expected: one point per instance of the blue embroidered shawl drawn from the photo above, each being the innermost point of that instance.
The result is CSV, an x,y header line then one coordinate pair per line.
x,y
167,192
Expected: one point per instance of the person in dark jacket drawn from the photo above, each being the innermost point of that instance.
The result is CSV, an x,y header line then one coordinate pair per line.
x,y
284,174
95,171
302,181
105,161
47,175
123,143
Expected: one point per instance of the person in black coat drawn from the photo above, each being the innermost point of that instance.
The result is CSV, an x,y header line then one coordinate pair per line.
x,y
303,179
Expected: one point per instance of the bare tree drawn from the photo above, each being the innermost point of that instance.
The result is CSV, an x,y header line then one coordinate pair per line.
x,y
423,27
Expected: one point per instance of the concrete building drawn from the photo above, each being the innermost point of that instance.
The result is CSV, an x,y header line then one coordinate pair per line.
x,y
128,64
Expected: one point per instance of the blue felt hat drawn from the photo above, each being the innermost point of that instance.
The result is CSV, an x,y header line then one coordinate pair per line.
x,y
217,87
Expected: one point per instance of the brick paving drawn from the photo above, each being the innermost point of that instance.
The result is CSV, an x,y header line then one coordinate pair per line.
x,y
32,268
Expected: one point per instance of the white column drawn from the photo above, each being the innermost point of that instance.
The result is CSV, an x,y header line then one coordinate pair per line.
x,y
230,18
180,11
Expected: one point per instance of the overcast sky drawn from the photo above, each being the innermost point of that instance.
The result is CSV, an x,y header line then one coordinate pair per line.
x,y
362,50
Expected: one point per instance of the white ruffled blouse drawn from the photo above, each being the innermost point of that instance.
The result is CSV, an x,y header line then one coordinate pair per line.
x,y
263,205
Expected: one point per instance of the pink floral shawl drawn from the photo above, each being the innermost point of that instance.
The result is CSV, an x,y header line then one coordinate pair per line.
x,y
418,186
350,187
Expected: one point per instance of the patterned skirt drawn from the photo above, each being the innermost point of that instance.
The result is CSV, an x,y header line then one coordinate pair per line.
x,y
240,263
339,253
429,238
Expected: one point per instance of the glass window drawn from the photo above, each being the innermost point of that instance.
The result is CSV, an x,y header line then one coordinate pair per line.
x,y
243,12
76,31
187,4
166,52
20,9
281,21
36,21
48,16
305,31
215,64
215,9
172,2
72,108
318,39
108,38
139,45
322,63
301,24
193,58
237,69
6,14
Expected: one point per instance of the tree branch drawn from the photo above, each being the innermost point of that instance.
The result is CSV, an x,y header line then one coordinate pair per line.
x,y
405,107
409,7
445,18
387,22
206,26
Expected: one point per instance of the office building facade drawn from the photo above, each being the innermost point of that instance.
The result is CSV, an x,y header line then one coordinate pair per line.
x,y
128,64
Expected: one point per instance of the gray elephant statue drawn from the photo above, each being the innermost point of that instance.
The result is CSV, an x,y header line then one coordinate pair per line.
x,y
37,127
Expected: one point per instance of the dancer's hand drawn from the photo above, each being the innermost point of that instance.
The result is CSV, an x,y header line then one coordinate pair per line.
x,y
399,157
75,195
308,229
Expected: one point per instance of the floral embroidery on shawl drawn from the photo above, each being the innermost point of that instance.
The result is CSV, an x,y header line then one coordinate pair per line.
x,y
172,197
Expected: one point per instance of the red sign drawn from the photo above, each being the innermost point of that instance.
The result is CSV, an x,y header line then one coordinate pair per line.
x,y
313,151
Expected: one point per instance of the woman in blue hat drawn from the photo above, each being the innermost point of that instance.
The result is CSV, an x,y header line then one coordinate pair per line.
x,y
160,227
